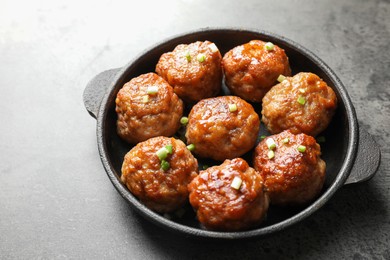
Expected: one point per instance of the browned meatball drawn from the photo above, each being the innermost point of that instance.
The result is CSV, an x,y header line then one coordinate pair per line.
x,y
251,70
293,172
160,189
222,128
223,203
194,70
147,107
303,104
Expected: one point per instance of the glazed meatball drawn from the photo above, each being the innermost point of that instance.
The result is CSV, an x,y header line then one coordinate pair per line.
x,y
291,167
303,104
251,69
229,197
147,107
161,184
194,70
222,128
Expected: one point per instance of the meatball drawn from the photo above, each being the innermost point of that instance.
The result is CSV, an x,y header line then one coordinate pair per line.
x,y
229,197
291,167
303,104
251,69
194,70
222,128
147,107
161,184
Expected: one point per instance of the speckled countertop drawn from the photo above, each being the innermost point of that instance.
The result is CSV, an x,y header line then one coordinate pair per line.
x,y
56,201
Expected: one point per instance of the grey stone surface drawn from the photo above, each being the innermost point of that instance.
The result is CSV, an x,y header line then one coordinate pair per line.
x,y
55,199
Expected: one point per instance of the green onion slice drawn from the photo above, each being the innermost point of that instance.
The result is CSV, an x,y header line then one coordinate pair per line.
x,y
281,78
301,100
301,148
165,165
271,154
191,147
201,57
151,90
188,56
263,137
232,107
236,183
145,99
285,140
169,148
184,120
270,143
162,153
269,46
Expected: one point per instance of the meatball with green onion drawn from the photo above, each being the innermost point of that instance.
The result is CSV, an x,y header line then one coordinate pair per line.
x,y
157,172
147,107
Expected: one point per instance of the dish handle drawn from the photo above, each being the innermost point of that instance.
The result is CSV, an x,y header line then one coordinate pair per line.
x,y
367,159
96,89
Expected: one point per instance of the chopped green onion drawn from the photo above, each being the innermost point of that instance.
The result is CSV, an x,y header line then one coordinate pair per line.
x,y
269,46
263,137
188,56
281,78
162,153
301,148
152,90
285,140
213,47
169,148
184,120
302,90
232,107
270,143
301,100
271,154
236,183
201,57
191,147
165,165
321,139
145,99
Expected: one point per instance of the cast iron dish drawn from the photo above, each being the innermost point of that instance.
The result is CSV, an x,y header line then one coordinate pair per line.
x,y
351,154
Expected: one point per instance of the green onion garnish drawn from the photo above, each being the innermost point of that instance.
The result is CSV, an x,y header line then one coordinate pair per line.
x,y
162,153
201,57
169,148
285,140
165,165
270,143
152,90
271,154
281,78
302,90
191,147
145,99
184,120
301,148
263,137
269,46
236,183
232,107
188,56
301,100
321,139
213,47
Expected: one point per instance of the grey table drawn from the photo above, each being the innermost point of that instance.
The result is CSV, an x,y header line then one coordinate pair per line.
x,y
56,201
